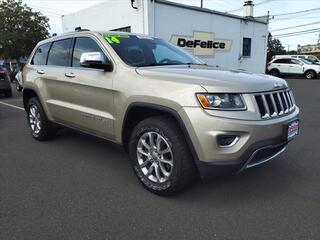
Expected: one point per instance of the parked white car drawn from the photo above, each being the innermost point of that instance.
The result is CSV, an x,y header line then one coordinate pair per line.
x,y
293,66
311,58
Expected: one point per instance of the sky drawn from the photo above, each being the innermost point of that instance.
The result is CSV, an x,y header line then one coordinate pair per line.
x,y
310,20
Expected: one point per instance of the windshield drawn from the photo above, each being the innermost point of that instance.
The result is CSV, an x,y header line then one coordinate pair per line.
x,y
142,51
313,58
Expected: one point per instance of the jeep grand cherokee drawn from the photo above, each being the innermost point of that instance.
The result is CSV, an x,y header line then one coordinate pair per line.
x,y
173,114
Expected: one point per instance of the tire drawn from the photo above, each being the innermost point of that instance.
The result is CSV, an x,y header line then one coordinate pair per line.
x,y
41,128
8,93
274,72
175,165
310,74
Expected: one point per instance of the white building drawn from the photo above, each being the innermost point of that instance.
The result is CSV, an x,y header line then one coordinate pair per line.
x,y
220,39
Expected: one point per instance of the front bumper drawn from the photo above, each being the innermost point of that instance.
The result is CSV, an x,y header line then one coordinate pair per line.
x,y
259,140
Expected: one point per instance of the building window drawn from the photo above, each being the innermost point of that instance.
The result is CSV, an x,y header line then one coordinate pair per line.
x,y
246,47
123,29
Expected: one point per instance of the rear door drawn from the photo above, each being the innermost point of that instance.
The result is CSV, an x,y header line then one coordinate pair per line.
x,y
89,90
282,65
55,88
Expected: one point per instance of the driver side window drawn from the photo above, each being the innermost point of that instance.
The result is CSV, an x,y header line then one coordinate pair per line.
x,y
162,53
294,61
83,44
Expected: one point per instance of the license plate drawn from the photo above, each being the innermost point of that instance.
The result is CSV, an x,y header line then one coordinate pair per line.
x,y
293,129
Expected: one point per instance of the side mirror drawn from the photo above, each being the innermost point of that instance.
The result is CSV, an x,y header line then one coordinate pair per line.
x,y
95,60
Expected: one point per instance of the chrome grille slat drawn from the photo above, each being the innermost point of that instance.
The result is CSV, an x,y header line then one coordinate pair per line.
x,y
292,98
267,115
286,110
276,112
281,104
289,99
275,104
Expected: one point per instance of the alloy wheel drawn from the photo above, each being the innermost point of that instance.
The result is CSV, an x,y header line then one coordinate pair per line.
x,y
34,119
155,157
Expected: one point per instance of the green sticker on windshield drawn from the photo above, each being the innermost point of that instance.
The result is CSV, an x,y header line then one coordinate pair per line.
x,y
114,38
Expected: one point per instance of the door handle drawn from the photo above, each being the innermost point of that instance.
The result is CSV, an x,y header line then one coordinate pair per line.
x,y
70,75
40,71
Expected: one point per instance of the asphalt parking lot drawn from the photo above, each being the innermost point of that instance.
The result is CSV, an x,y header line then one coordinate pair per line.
x,y
80,187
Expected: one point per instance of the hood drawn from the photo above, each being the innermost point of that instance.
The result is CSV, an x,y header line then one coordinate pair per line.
x,y
214,80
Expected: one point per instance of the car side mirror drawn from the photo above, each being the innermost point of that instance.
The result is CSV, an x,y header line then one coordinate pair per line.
x,y
95,60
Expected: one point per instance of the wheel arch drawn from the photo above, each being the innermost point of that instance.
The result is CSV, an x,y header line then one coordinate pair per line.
x,y
138,111
310,69
274,69
27,94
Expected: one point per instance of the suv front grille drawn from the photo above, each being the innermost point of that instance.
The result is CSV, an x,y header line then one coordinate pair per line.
x,y
275,104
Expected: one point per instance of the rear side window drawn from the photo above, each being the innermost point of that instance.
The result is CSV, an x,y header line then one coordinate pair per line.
x,y
83,44
283,60
40,56
59,53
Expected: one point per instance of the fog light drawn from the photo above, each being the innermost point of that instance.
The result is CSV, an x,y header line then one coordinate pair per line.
x,y
227,140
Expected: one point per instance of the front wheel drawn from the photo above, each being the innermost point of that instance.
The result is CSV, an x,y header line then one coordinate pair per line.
x,y
310,74
160,156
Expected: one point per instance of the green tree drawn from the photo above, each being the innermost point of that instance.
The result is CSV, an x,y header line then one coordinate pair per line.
x,y
21,29
274,47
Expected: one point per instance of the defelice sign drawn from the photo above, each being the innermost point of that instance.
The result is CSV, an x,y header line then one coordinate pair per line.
x,y
201,43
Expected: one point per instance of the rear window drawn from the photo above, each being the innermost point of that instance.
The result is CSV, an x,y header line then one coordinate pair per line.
x,y
59,53
40,56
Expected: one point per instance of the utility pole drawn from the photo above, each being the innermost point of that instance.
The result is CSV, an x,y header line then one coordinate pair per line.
x,y
201,3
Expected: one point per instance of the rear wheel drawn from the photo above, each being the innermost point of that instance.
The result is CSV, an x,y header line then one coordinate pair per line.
x,y
310,74
160,156
274,72
41,128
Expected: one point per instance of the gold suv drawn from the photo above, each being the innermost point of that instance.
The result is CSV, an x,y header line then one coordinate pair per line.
x,y
173,114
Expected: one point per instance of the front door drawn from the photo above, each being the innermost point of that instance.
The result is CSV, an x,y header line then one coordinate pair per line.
x,y
295,67
90,91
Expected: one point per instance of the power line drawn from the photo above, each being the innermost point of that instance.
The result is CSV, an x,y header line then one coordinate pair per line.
x,y
298,12
315,30
257,4
49,10
297,26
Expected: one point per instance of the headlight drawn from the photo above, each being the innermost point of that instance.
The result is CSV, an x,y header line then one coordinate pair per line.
x,y
221,101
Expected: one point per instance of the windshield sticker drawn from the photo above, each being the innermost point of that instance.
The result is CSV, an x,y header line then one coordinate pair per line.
x,y
144,37
114,38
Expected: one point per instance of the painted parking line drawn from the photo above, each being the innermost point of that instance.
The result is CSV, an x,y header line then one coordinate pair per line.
x,y
10,105
13,100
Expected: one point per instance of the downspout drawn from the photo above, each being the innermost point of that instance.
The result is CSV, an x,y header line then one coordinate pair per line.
x,y
132,1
